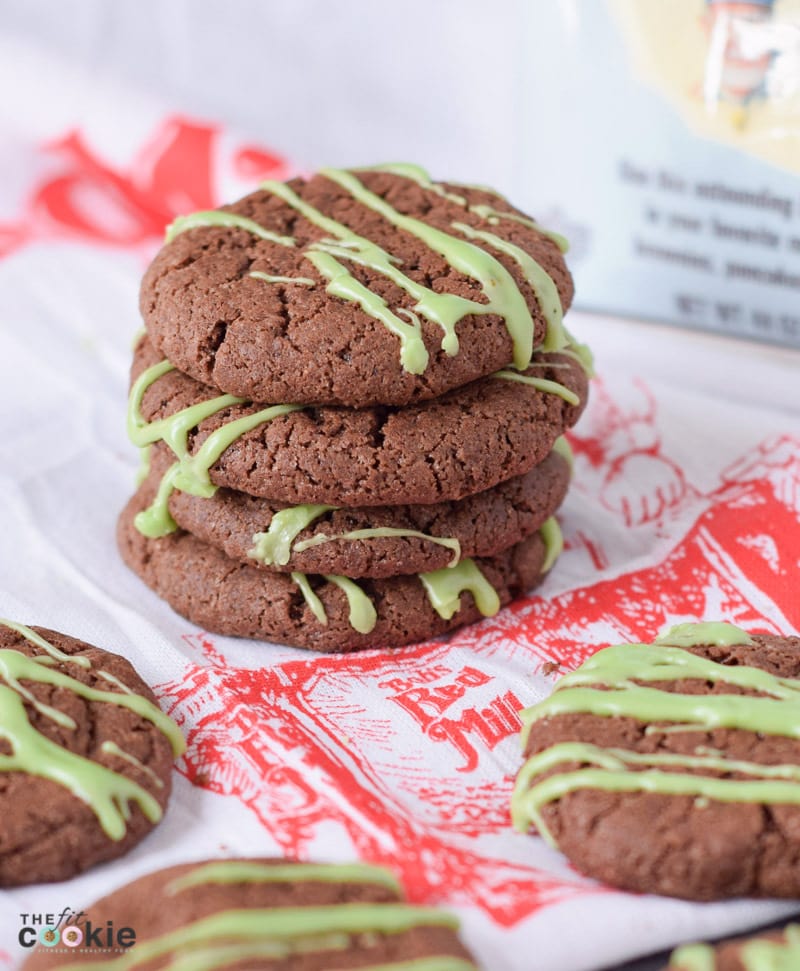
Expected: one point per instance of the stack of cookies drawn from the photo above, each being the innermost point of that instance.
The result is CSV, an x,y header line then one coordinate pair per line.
x,y
351,396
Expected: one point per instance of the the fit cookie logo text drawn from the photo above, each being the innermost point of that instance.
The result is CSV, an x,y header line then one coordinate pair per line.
x,y
429,695
72,929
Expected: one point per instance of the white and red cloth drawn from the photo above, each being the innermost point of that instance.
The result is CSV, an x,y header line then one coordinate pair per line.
x,y
684,505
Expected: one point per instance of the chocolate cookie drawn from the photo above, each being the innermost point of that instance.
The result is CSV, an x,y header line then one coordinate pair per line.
x,y
773,951
272,914
85,756
369,541
462,443
324,613
355,288
673,768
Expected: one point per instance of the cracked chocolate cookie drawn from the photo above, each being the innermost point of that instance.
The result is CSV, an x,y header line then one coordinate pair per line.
x,y
673,768
360,288
265,914
442,450
381,541
329,612
85,756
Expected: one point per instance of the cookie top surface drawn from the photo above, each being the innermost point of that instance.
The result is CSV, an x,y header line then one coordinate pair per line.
x,y
772,951
673,768
462,443
82,740
261,913
325,613
355,288
369,541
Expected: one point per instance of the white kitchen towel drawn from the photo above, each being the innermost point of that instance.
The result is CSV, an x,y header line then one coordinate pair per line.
x,y
684,505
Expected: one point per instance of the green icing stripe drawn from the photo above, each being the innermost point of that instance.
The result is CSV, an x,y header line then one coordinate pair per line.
x,y
326,255
377,532
111,748
107,793
499,287
416,173
610,684
693,957
213,217
315,605
782,954
539,280
496,215
564,449
363,616
709,632
299,929
190,473
38,641
608,769
251,871
303,281
274,547
541,384
553,539
15,667
444,588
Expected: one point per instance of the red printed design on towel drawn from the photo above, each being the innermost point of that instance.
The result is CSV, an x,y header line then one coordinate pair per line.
x,y
176,171
411,756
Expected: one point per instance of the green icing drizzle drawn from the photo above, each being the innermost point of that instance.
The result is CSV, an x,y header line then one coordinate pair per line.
x,y
304,281
274,547
214,217
416,173
33,638
362,611
581,353
609,684
111,748
383,531
236,935
553,538
251,871
538,279
564,449
756,955
444,589
315,605
350,246
501,291
107,794
541,384
190,473
709,632
496,215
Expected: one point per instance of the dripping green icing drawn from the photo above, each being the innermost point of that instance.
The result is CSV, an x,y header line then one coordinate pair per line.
x,y
326,256
251,871
275,545
755,955
539,280
315,605
37,640
610,771
15,666
499,287
610,684
581,353
111,748
444,588
553,539
190,473
564,449
106,793
298,929
362,615
419,175
303,281
376,532
214,217
541,384
709,632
